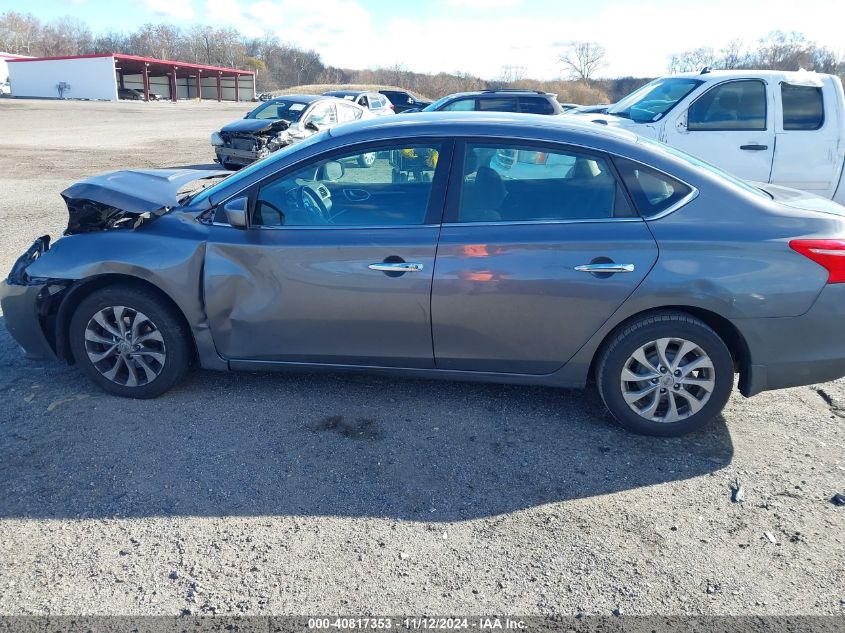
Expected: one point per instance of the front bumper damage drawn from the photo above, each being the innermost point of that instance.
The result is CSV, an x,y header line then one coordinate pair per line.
x,y
230,155
29,304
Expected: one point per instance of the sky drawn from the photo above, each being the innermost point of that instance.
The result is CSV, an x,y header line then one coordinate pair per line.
x,y
480,37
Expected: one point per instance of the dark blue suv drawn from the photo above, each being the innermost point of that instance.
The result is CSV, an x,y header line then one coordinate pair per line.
x,y
527,101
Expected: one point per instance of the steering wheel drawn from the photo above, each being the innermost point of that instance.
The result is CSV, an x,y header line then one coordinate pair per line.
x,y
314,206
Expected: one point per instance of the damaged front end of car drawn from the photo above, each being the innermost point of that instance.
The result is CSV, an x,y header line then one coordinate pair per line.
x,y
128,198
34,294
30,304
249,140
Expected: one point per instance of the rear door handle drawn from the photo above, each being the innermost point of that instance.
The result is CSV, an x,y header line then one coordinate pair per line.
x,y
605,268
754,148
397,267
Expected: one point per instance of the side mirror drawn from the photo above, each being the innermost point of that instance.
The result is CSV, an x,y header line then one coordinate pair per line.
x,y
235,211
332,171
312,126
246,116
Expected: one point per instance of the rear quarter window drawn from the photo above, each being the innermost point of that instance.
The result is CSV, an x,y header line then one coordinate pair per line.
x,y
803,107
653,191
535,105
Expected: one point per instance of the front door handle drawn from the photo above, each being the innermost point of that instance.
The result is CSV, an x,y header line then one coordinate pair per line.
x,y
754,148
397,267
606,268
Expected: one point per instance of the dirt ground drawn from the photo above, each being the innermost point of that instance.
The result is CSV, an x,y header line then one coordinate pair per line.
x,y
273,494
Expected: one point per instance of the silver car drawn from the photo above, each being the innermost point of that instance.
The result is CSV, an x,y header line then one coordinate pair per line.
x,y
630,265
277,123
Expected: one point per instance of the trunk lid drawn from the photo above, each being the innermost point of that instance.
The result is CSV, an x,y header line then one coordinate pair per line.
x,y
802,200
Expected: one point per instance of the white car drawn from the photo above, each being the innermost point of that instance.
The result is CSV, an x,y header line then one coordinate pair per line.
x,y
522,164
5,88
784,128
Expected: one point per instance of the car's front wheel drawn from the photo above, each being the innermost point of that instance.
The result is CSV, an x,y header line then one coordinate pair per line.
x,y
130,341
665,374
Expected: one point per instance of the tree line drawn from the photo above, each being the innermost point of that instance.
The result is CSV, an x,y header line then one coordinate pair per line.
x,y
279,64
779,50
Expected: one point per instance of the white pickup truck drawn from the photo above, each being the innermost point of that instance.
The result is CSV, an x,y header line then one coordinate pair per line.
x,y
785,128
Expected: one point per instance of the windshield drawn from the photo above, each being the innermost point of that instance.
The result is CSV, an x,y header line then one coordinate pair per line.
x,y
287,110
653,100
700,164
437,104
246,172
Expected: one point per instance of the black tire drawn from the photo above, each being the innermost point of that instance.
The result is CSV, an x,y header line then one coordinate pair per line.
x,y
619,349
176,339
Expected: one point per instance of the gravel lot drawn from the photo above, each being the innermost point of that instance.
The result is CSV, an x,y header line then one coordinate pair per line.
x,y
273,494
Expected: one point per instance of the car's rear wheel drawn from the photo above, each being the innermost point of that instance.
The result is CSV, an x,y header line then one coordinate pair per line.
x,y
666,374
130,341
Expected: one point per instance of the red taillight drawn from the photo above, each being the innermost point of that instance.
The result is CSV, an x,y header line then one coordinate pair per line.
x,y
827,253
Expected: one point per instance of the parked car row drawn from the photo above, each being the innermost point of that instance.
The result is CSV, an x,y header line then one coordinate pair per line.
x,y
281,121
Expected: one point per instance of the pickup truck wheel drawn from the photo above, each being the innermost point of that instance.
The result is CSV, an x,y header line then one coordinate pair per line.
x,y
130,342
666,374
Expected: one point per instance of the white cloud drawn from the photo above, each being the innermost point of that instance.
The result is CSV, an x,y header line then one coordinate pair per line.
x,y
462,35
483,4
172,9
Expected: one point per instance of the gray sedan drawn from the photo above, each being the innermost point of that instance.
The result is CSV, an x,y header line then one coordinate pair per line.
x,y
491,247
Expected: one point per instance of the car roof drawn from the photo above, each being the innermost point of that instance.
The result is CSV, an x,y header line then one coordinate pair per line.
x,y
351,93
790,76
479,123
297,98
515,93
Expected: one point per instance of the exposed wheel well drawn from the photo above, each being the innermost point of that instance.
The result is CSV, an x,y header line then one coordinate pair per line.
x,y
82,289
723,327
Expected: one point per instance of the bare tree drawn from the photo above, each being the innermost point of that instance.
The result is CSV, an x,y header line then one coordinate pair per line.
x,y
20,33
66,36
583,59
691,60
732,55
511,74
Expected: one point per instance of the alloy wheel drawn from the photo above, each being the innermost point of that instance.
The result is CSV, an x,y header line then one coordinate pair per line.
x,y
667,380
125,346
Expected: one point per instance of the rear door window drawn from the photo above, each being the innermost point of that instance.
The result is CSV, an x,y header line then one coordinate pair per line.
x,y
528,183
803,107
734,105
498,104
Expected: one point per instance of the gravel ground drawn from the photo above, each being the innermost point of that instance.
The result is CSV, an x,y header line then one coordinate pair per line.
x,y
274,494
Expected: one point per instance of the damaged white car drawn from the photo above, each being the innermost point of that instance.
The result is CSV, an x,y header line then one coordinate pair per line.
x,y
278,123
